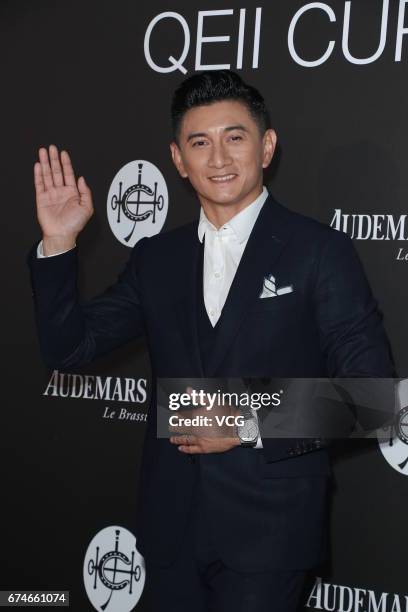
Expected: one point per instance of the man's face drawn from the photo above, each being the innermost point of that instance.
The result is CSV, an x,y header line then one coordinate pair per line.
x,y
223,153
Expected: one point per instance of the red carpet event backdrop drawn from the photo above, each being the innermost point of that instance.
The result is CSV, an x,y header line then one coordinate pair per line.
x,y
96,78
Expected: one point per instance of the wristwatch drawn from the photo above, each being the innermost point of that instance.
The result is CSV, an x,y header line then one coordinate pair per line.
x,y
248,432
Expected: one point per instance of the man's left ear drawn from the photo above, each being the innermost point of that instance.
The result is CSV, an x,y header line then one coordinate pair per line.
x,y
177,159
269,146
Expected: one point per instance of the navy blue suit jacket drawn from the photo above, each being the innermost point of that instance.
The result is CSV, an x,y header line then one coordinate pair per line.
x,y
268,508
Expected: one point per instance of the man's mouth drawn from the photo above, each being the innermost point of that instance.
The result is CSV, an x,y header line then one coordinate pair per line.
x,y
224,178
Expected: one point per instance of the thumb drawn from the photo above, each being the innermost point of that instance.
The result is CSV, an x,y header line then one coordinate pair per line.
x,y
82,186
83,189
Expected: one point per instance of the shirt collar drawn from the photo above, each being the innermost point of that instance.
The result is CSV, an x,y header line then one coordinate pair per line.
x,y
241,224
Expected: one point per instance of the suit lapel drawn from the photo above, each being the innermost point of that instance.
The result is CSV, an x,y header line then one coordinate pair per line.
x,y
265,244
187,307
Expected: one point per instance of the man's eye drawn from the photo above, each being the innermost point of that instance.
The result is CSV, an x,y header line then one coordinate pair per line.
x,y
236,137
198,143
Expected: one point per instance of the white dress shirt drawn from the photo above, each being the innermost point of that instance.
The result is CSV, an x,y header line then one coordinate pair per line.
x,y
223,249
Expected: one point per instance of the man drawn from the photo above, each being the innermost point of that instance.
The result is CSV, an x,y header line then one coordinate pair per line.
x,y
222,525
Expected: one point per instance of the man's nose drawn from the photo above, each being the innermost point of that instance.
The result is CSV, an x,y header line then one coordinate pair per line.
x,y
219,156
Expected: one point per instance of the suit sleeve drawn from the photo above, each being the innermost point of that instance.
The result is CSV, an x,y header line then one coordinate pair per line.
x,y
353,339
355,346
351,331
72,332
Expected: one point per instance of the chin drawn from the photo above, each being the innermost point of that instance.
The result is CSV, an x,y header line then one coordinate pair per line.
x,y
228,196
224,201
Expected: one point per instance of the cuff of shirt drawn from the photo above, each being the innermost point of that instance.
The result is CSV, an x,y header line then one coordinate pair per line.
x,y
40,252
259,440
259,443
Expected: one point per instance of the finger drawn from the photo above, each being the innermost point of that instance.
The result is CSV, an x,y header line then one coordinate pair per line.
x,y
69,176
56,166
45,168
184,439
38,179
190,449
176,430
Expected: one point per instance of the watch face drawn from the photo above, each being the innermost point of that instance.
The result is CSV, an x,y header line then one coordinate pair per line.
x,y
248,432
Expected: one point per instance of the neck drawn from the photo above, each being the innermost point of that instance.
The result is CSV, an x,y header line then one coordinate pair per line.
x,y
219,214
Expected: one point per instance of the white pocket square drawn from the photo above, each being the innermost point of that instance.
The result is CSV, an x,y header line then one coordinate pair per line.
x,y
269,288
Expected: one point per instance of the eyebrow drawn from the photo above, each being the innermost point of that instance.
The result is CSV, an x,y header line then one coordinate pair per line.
x,y
229,128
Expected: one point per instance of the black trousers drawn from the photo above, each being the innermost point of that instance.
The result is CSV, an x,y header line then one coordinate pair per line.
x,y
198,581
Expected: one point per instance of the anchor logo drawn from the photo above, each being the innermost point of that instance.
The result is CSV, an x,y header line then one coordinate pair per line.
x,y
114,575
137,208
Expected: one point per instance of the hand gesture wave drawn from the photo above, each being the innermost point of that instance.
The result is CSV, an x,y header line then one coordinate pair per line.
x,y
64,205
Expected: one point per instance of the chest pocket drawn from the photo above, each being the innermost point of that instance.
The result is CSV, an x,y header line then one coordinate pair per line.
x,y
278,303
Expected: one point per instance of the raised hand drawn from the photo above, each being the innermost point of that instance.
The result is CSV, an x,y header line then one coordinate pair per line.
x,y
64,205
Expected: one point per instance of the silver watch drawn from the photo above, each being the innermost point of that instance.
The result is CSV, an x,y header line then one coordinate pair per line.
x,y
248,432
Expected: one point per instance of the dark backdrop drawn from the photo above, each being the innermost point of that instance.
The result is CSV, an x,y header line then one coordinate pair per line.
x,y
75,74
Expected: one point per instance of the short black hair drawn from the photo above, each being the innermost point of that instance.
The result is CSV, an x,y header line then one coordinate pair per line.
x,y
211,86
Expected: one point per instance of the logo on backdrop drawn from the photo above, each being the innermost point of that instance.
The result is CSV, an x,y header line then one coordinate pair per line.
x,y
114,570
395,449
102,388
341,598
90,386
373,227
137,202
242,31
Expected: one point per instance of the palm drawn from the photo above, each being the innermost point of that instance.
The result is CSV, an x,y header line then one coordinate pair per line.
x,y
58,208
63,205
